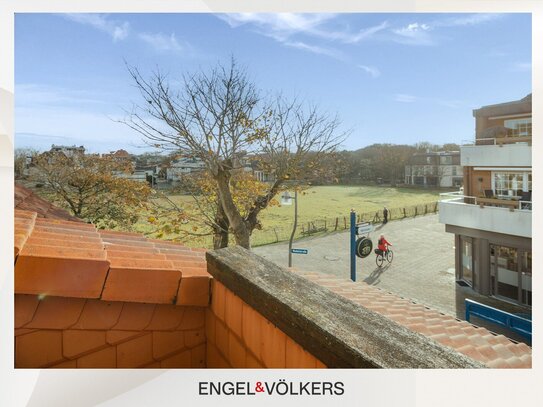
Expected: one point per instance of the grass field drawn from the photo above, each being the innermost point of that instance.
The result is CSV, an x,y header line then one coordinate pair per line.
x,y
327,202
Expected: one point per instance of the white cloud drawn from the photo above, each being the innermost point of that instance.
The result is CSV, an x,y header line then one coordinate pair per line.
x,y
279,26
419,33
373,71
315,49
414,34
404,98
286,28
163,42
117,30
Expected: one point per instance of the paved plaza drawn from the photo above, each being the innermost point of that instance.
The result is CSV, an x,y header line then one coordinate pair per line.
x,y
422,269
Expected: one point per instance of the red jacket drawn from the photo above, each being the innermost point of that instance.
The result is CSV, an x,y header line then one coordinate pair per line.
x,y
382,244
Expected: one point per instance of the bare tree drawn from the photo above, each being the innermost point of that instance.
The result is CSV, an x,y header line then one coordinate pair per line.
x,y
221,118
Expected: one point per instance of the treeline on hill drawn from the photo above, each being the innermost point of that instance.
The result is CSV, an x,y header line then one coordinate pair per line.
x,y
377,163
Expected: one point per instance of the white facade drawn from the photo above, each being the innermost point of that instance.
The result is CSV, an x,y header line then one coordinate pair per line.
x,y
444,176
488,218
183,166
507,155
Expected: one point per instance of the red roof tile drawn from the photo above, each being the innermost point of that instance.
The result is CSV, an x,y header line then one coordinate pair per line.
x,y
56,257
27,200
494,350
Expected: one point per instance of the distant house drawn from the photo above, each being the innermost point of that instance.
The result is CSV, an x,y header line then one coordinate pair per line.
x,y
119,155
434,169
183,166
68,151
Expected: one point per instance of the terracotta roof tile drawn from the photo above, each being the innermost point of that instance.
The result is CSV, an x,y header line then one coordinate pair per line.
x,y
136,352
57,257
180,360
98,314
167,317
105,358
166,343
193,290
494,350
68,277
115,337
27,200
25,308
134,317
77,342
145,284
24,225
39,349
56,313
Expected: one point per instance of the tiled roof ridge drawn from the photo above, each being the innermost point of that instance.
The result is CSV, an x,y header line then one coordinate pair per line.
x,y
26,199
71,259
494,350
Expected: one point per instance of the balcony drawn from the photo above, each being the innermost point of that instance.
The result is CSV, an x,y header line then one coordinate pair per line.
x,y
498,152
493,215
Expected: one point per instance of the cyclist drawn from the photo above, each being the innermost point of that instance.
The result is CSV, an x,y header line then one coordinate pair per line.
x,y
382,245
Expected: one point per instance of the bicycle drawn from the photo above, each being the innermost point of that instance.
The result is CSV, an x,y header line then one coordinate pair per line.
x,y
380,258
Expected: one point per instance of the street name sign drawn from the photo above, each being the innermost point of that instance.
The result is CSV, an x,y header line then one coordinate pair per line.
x,y
299,251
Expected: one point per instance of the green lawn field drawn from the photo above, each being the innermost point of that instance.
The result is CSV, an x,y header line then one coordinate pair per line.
x,y
326,202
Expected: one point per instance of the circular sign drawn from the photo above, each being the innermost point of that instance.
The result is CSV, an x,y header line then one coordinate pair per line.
x,y
363,247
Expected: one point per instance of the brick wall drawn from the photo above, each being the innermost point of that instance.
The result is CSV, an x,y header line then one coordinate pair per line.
x,y
85,333
240,337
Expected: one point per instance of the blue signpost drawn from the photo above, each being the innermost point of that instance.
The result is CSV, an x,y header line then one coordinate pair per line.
x,y
298,251
353,245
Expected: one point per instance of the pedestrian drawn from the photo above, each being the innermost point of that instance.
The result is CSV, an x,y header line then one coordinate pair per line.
x,y
385,215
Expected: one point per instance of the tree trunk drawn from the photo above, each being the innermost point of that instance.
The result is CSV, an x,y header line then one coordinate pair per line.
x,y
239,228
220,230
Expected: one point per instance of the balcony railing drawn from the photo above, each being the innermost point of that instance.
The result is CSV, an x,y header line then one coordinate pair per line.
x,y
498,141
511,204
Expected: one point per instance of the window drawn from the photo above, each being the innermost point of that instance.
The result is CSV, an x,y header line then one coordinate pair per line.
x,y
454,170
519,127
511,273
466,272
511,183
445,160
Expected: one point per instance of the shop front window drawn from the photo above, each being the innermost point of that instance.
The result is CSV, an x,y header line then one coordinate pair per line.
x,y
511,273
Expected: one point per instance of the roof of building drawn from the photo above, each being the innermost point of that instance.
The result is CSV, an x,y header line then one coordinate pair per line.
x,y
26,199
72,259
520,106
495,351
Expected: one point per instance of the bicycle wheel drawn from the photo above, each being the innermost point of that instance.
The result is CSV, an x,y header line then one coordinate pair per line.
x,y
379,260
390,256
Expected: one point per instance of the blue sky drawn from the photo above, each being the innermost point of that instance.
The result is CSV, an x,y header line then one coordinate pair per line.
x,y
392,78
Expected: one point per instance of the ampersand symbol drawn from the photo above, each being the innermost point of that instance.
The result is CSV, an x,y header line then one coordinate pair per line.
x,y
259,387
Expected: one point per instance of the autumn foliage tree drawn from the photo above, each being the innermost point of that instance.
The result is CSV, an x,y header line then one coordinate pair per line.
x,y
221,118
90,187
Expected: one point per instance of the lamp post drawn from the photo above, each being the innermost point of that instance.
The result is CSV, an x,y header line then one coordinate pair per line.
x,y
294,227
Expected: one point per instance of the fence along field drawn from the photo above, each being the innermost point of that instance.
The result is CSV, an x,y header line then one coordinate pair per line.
x,y
330,225
325,209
